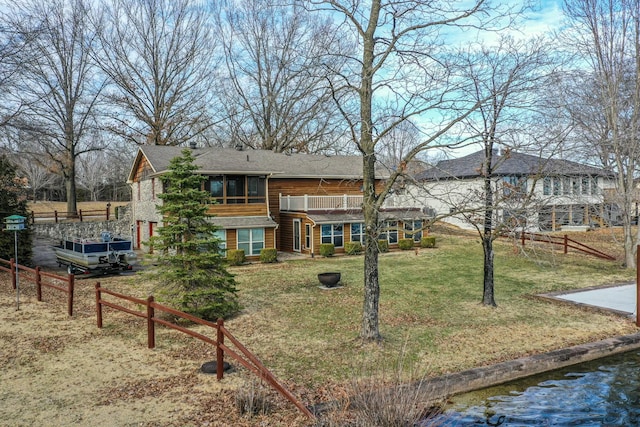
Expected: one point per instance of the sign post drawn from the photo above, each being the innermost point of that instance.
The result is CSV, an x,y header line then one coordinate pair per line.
x,y
15,223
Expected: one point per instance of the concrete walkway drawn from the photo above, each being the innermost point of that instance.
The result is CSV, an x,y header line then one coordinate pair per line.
x,y
620,298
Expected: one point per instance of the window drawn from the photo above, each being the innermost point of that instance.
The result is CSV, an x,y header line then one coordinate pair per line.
x,y
594,186
585,186
235,189
216,187
357,232
546,186
251,240
221,235
413,229
256,189
575,184
390,231
557,186
332,233
238,189
514,186
153,188
566,186
307,236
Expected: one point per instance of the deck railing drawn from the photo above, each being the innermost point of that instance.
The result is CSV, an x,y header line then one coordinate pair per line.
x,y
345,202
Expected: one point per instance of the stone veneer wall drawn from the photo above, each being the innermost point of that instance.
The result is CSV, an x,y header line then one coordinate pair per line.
x,y
120,226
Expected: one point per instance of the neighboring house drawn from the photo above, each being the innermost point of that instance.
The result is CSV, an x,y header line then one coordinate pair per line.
x,y
270,200
535,193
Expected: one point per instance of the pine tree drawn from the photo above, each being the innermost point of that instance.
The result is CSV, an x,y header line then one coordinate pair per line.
x,y
13,201
191,268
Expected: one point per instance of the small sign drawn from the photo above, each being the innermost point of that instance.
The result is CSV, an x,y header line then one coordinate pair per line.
x,y
14,222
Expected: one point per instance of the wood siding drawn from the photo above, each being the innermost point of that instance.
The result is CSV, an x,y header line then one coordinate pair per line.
x,y
252,209
300,187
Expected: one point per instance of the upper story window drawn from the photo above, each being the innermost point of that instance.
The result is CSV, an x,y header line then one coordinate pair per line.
x,y
237,189
514,186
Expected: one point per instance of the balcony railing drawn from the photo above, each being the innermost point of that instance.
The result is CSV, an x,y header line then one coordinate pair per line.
x,y
339,202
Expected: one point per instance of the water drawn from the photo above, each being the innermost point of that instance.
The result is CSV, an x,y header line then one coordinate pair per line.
x,y
605,392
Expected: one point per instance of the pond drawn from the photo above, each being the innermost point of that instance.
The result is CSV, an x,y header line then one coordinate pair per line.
x,y
604,392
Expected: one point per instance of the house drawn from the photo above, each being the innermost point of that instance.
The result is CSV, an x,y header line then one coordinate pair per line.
x,y
533,192
291,202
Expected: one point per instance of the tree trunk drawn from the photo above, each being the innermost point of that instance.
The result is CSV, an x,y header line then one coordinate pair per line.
x,y
487,235
70,185
370,327
488,293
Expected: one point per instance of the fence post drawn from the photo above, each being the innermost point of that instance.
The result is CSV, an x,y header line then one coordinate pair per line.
x,y
151,325
108,209
38,284
219,350
566,243
80,214
522,237
637,285
98,305
12,265
55,215
72,281
33,217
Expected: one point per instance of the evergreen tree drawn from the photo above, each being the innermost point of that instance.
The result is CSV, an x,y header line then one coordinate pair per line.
x,y
13,201
191,268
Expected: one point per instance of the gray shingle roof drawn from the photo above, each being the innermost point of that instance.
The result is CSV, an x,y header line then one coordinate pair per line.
x,y
215,160
513,164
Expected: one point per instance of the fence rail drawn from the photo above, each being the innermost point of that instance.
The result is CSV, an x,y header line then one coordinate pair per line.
x,y
81,216
242,355
566,243
41,278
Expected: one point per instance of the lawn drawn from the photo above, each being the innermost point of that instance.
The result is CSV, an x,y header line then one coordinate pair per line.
x,y
429,310
65,369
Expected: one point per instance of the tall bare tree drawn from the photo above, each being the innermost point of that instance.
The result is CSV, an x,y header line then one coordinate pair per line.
x,y
277,97
507,78
401,63
606,36
159,55
57,82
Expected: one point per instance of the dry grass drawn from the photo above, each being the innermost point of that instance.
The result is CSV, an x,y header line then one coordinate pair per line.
x,y
65,371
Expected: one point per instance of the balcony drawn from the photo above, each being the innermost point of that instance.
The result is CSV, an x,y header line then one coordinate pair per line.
x,y
345,202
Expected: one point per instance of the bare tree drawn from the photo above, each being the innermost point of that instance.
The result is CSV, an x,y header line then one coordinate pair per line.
x,y
159,54
57,84
276,96
401,63
605,34
507,78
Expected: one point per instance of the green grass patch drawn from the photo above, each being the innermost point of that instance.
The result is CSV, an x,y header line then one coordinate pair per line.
x,y
429,310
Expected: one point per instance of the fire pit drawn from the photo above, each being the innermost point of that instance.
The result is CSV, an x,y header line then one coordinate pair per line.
x,y
329,280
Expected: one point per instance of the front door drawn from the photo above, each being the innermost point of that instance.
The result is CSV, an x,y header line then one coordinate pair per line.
x,y
297,237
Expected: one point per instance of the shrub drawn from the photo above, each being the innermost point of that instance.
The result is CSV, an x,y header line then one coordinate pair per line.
x,y
353,248
383,246
268,255
428,242
235,256
405,244
327,249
